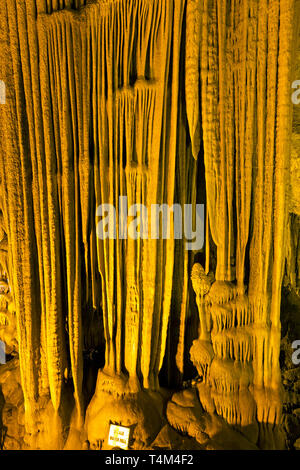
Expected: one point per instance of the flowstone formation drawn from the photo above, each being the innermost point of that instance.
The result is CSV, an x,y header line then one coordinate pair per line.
x,y
117,105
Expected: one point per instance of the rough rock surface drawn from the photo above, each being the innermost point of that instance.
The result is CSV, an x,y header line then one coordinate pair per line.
x,y
161,101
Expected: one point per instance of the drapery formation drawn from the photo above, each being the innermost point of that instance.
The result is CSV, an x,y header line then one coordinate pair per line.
x,y
113,98
246,63
93,112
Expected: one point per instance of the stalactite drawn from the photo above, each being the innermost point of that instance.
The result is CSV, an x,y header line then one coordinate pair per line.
x,y
192,62
53,325
15,171
284,123
242,44
245,50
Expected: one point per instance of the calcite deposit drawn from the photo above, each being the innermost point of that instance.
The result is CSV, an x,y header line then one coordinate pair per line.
x,y
152,102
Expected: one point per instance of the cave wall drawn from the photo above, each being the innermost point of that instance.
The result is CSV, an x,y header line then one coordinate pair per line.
x,y
114,98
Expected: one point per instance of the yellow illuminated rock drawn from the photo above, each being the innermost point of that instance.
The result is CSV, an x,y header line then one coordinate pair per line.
x,y
144,103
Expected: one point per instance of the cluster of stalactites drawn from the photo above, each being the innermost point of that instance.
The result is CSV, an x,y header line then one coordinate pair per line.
x,y
50,6
97,116
246,124
124,103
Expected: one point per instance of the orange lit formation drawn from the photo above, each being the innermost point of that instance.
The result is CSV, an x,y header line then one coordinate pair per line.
x,y
162,101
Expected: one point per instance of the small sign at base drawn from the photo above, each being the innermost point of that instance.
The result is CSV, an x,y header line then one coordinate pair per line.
x,y
118,436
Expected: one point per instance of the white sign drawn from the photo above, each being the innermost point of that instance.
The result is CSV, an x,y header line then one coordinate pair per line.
x,y
118,436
